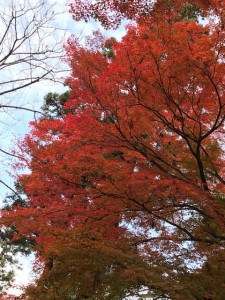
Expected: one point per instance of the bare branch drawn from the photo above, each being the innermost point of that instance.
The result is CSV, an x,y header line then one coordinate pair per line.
x,y
30,44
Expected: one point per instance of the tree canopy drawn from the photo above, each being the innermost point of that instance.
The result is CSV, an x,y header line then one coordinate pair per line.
x,y
126,184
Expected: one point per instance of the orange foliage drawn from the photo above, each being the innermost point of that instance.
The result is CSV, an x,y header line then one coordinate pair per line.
x,y
112,12
137,171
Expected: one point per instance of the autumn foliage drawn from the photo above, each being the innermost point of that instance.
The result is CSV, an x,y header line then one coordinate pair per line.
x,y
112,12
126,188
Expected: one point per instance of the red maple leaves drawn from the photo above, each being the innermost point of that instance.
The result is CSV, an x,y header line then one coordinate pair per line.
x,y
136,166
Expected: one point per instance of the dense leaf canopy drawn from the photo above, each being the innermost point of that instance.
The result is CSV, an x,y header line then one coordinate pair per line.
x,y
126,187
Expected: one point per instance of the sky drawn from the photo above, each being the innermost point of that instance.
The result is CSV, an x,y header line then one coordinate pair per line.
x,y
14,124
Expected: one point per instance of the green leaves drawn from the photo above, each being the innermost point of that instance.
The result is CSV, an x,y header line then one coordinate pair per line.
x,y
53,106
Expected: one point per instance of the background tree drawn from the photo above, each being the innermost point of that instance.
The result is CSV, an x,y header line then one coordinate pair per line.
x,y
53,106
29,50
10,247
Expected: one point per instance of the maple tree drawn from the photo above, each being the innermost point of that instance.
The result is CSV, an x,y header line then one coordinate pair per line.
x,y
112,12
126,183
